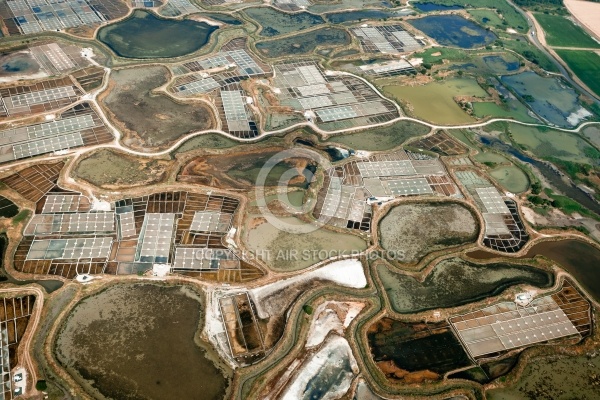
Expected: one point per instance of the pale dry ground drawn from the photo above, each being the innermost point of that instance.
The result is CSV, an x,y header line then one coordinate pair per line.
x,y
587,13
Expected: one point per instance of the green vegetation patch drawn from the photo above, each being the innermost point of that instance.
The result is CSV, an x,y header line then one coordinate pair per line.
x,y
488,18
585,64
20,217
304,43
107,168
274,22
208,141
415,230
454,281
561,32
436,55
530,53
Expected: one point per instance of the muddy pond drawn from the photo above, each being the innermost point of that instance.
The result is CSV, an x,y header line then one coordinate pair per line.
x,y
140,341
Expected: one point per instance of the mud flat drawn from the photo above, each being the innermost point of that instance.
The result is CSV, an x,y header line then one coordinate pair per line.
x,y
241,169
19,65
150,119
140,342
110,169
421,228
287,251
454,282
563,378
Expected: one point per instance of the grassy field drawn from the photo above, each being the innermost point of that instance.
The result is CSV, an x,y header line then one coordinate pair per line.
x,y
585,64
561,32
443,53
382,138
530,52
487,18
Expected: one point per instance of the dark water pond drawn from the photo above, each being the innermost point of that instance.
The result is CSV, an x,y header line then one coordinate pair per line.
x,y
8,209
339,18
417,346
580,259
274,22
454,30
143,35
425,7
224,18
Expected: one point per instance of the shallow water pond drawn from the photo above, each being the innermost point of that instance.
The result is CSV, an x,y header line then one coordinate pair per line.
x,y
454,30
434,102
511,178
340,18
274,22
550,98
18,63
304,43
580,259
143,35
502,64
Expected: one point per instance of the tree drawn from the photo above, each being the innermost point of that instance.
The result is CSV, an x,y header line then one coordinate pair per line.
x,y
41,385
